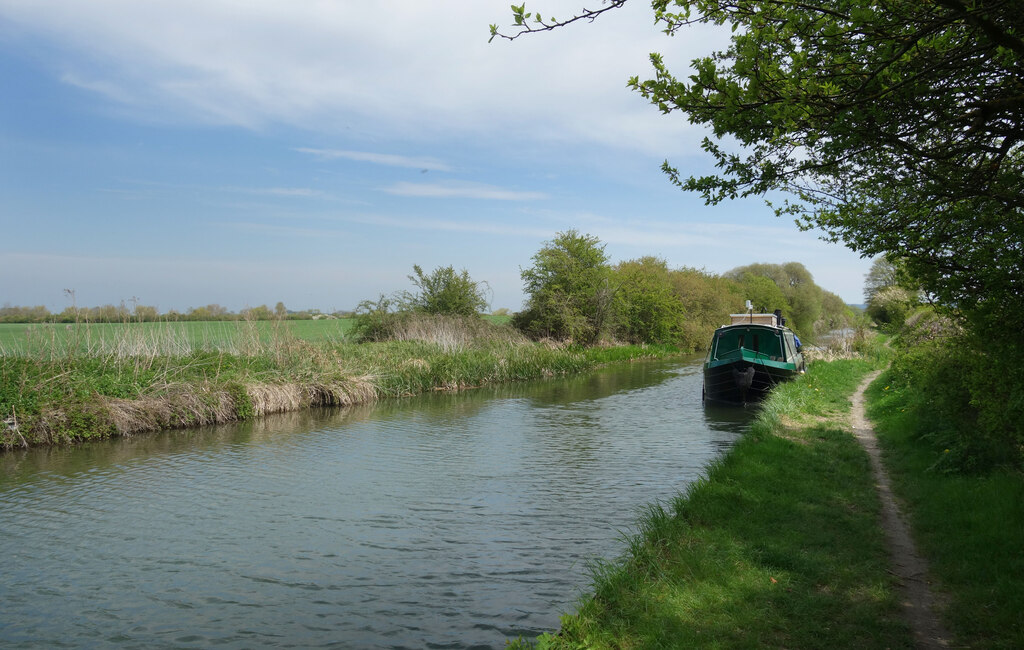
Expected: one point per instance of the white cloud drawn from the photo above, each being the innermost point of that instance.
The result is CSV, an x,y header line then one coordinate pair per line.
x,y
461,191
389,68
291,231
391,160
448,225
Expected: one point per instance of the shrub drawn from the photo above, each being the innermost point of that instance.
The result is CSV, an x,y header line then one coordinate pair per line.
x,y
569,290
890,306
375,320
444,291
967,398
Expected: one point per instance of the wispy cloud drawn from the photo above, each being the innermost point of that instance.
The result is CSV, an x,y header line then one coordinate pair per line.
x,y
299,192
390,160
275,229
462,191
449,225
395,69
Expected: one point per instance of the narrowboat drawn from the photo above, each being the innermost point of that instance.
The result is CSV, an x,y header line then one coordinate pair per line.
x,y
748,357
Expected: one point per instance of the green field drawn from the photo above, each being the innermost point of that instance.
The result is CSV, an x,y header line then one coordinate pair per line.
x,y
19,339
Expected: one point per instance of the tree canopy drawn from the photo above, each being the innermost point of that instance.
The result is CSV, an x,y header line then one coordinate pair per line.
x,y
895,127
445,291
790,287
568,289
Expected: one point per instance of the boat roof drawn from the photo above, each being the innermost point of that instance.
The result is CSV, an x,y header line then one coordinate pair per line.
x,y
750,318
778,328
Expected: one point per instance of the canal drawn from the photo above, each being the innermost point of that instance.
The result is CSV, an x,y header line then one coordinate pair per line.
x,y
440,521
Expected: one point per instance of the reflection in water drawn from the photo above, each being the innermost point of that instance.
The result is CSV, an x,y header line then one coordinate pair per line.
x,y
446,520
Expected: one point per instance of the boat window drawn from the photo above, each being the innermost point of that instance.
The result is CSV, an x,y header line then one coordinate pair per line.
x,y
727,342
790,346
765,342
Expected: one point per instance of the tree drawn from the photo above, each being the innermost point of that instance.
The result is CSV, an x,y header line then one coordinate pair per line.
x,y
886,272
14,314
443,291
647,309
568,288
801,298
261,312
280,311
890,306
896,127
889,292
763,293
707,301
146,313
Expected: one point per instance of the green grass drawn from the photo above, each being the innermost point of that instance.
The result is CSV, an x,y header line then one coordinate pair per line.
x,y
970,527
102,381
30,339
779,546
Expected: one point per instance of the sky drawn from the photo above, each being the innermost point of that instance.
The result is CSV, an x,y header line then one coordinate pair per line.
x,y
179,153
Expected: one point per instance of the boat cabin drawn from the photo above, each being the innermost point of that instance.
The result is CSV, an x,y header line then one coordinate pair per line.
x,y
775,343
775,320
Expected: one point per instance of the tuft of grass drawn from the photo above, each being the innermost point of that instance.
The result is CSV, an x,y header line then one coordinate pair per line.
x,y
778,546
971,527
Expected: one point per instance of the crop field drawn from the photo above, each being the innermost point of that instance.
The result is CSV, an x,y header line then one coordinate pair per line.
x,y
18,339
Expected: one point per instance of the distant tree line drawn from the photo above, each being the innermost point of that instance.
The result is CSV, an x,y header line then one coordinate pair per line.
x,y
575,294
136,313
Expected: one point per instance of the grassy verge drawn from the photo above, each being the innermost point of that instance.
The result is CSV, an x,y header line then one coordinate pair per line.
x,y
149,379
779,546
970,527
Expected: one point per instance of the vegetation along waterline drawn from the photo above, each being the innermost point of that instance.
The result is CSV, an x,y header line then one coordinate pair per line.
x,y
779,546
72,389
64,382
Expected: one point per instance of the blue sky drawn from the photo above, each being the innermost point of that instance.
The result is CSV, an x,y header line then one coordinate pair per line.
x,y
186,152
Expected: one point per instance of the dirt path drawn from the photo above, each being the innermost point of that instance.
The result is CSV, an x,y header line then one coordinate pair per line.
x,y
919,603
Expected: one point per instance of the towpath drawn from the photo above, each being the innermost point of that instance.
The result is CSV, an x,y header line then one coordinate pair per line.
x,y
919,602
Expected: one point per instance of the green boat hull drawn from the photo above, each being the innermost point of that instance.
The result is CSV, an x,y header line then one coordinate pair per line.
x,y
747,361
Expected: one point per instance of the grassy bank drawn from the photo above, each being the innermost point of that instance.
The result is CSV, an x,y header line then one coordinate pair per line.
x,y
146,379
779,546
970,526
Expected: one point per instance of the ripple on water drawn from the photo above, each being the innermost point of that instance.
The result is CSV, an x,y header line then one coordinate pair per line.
x,y
450,521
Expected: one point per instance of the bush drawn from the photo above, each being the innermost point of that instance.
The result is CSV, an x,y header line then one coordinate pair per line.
x,y
890,306
967,400
445,292
569,291
374,321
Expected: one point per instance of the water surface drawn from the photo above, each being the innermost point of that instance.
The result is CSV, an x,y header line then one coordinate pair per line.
x,y
442,521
